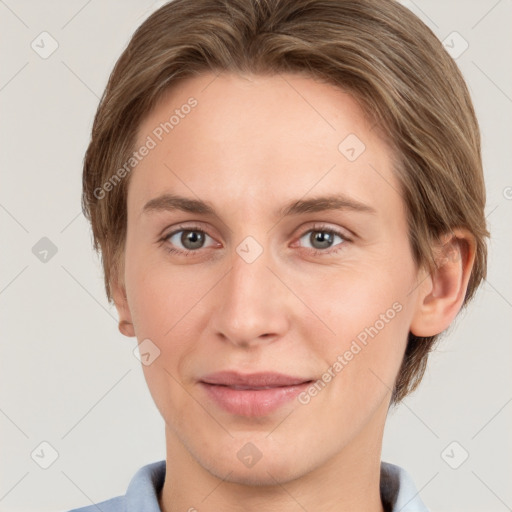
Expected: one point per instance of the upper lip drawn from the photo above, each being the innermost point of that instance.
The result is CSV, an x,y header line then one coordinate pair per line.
x,y
254,380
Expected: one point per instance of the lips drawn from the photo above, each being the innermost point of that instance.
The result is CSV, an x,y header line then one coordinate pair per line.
x,y
251,395
263,380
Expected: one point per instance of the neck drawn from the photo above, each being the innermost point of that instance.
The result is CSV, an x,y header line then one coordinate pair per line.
x,y
348,481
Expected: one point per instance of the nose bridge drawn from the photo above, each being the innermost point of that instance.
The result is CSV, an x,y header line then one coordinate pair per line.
x,y
252,304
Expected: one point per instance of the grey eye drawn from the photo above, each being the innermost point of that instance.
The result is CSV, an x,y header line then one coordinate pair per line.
x,y
188,239
320,239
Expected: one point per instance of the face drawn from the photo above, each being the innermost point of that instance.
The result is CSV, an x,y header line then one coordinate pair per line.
x,y
267,235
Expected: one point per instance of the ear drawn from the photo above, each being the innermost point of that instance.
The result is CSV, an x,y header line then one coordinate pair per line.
x,y
442,291
121,302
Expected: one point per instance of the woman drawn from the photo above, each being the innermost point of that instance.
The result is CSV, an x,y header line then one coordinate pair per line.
x,y
289,202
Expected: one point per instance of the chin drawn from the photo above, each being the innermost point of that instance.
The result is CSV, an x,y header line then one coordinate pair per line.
x,y
263,473
255,461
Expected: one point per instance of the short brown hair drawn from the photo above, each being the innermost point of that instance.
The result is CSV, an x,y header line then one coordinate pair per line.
x,y
377,50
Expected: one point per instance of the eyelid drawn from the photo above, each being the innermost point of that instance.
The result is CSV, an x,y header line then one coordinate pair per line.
x,y
330,251
165,239
344,233
193,226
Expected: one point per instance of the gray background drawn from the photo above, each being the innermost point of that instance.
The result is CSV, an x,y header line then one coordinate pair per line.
x,y
70,379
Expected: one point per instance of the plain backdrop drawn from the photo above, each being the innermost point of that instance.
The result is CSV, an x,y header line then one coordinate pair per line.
x,y
70,380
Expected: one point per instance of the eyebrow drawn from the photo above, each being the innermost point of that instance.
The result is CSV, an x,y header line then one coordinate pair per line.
x,y
324,203
170,202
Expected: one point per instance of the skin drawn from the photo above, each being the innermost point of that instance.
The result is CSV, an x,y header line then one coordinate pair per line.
x,y
251,145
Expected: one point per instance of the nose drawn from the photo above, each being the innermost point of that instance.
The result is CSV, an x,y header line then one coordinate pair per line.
x,y
251,304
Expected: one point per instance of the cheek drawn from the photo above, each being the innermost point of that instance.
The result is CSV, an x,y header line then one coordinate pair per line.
x,y
158,295
369,311
167,307
163,303
367,336
360,365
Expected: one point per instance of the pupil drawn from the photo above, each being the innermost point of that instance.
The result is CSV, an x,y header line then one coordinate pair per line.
x,y
192,239
322,239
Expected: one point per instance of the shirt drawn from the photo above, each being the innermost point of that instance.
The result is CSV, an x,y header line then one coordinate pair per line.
x,y
397,490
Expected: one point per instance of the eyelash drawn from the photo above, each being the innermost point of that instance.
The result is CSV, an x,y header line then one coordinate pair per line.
x,y
324,229
316,252
182,252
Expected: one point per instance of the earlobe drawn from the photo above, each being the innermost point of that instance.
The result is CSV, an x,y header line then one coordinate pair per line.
x,y
442,292
126,328
123,310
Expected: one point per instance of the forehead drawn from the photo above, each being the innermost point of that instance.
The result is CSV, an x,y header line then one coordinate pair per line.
x,y
264,137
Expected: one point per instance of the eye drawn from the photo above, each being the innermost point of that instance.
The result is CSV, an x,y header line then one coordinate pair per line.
x,y
188,240
323,240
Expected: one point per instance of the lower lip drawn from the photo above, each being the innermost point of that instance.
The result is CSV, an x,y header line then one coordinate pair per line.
x,y
252,402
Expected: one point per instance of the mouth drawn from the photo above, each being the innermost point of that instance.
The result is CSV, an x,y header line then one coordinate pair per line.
x,y
259,380
251,395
